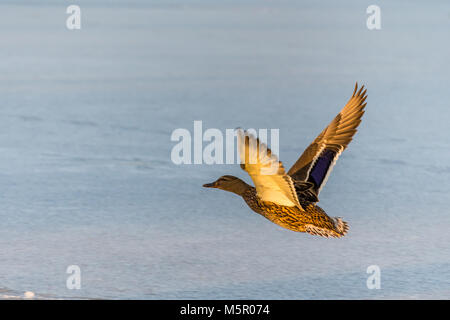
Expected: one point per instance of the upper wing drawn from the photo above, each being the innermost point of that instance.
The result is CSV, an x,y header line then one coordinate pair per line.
x,y
317,161
271,181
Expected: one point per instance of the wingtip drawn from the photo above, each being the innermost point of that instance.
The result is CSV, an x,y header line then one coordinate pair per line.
x,y
359,92
356,88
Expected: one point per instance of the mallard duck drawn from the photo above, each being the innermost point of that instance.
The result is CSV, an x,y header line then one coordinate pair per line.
x,y
290,199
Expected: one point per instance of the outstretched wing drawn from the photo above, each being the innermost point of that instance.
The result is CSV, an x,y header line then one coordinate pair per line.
x,y
267,172
317,161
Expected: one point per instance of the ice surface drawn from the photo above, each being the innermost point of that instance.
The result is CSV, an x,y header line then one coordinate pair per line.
x,y
85,124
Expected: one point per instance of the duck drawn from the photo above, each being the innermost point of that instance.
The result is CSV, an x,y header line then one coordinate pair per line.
x,y
289,199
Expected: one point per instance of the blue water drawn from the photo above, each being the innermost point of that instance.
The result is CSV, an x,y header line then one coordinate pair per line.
x,y
85,171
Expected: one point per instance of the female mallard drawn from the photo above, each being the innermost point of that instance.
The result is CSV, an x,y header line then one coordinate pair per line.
x,y
289,200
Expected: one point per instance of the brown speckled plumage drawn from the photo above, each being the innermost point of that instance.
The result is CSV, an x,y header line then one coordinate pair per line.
x,y
289,199
312,220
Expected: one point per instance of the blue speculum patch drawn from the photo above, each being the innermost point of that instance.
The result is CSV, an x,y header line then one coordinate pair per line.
x,y
321,167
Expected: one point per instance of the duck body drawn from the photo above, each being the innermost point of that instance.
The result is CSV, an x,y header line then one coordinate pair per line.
x,y
312,219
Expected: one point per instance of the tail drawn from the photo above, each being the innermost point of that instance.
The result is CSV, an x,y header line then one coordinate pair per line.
x,y
338,228
341,226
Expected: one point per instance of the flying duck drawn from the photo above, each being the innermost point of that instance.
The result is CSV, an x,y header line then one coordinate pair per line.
x,y
290,199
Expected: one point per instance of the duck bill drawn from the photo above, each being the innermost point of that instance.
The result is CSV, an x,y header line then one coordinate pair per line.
x,y
210,185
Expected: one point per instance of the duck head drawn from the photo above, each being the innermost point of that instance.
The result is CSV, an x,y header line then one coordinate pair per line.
x,y
229,183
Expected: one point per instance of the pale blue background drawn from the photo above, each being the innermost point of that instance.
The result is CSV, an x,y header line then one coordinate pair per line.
x,y
85,124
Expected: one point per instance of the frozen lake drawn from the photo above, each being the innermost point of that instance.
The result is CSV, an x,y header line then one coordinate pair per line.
x,y
86,176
